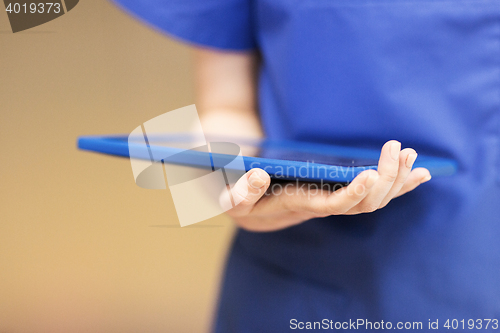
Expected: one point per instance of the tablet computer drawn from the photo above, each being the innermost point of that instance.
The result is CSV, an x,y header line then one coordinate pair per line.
x,y
283,160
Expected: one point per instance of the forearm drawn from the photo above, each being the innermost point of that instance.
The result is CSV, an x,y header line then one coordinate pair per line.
x,y
230,122
226,93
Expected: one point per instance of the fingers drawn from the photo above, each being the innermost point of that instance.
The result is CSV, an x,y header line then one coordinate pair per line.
x,y
416,177
388,168
344,199
313,199
406,159
247,191
369,191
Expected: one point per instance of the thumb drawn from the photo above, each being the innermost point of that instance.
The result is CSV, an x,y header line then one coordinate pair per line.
x,y
247,191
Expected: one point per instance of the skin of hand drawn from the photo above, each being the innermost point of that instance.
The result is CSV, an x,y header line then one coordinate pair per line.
x,y
369,191
226,102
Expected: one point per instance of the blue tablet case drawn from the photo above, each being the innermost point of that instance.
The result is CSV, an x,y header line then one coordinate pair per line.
x,y
287,160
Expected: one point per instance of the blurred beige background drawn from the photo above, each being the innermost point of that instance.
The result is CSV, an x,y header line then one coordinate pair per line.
x,y
79,250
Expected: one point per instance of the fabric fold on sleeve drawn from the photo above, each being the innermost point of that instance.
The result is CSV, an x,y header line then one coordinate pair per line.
x,y
221,24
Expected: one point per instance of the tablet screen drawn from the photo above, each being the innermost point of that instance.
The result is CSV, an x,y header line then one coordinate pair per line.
x,y
280,150
274,155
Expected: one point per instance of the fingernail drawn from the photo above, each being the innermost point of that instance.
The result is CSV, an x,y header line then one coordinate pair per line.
x,y
371,180
425,179
395,149
255,181
410,159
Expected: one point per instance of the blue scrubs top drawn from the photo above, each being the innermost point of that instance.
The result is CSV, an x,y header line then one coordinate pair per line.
x,y
361,72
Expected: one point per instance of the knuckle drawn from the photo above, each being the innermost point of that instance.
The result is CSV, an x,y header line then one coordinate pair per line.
x,y
390,176
242,200
334,210
313,207
399,182
324,207
359,190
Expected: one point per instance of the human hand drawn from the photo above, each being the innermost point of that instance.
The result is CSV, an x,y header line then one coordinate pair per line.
x,y
261,210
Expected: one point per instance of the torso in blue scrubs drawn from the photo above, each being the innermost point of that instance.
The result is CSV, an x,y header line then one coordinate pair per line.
x,y
362,72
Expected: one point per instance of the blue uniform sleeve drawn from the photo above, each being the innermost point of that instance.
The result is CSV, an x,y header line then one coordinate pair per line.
x,y
222,24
